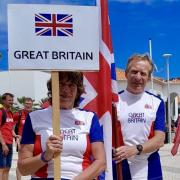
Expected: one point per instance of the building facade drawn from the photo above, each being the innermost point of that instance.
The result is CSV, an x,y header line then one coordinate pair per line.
x,y
33,84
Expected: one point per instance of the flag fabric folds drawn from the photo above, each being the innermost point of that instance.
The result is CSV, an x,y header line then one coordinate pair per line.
x,y
176,139
101,87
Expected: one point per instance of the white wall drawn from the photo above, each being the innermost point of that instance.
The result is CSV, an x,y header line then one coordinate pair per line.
x,y
175,88
40,90
24,83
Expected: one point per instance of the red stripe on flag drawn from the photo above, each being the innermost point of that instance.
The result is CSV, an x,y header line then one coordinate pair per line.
x,y
101,94
101,81
106,32
176,139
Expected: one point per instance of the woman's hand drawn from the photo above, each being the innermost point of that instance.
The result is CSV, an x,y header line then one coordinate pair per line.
x,y
54,146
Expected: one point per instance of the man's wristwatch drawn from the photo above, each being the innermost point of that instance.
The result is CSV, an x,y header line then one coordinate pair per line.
x,y
139,147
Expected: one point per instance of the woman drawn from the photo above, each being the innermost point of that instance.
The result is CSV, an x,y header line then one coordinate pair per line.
x,y
79,141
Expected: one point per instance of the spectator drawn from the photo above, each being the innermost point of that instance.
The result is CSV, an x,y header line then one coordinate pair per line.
x,y
19,118
176,139
6,135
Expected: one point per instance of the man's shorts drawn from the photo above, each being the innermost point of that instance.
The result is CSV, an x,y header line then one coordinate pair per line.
x,y
6,161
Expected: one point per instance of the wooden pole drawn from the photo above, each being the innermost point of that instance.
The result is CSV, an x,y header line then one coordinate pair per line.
x,y
56,119
118,139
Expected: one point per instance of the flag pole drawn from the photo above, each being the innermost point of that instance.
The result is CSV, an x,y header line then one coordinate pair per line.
x,y
56,119
117,137
150,53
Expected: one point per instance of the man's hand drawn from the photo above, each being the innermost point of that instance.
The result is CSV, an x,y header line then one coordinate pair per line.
x,y
17,140
5,149
124,152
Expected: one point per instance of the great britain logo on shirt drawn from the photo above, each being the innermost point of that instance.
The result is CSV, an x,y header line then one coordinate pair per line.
x,y
147,106
9,119
136,118
69,134
78,122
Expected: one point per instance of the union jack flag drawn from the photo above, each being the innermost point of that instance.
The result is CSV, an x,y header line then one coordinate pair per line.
x,y
53,24
101,87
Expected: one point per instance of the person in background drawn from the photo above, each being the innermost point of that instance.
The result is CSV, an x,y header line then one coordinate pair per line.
x,y
142,119
19,118
6,135
79,144
45,104
176,142
176,123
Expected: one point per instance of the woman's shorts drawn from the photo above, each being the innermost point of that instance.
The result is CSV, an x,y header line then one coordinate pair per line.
x,y
6,161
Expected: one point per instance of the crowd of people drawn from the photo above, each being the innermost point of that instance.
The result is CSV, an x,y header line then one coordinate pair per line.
x,y
11,127
80,142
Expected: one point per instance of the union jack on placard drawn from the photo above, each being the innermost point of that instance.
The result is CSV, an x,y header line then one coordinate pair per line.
x,y
53,24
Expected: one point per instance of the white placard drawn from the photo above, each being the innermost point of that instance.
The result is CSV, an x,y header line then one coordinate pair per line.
x,y
53,37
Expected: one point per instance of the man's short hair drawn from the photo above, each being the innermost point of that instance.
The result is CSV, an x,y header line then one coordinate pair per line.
x,y
140,57
28,99
75,78
7,94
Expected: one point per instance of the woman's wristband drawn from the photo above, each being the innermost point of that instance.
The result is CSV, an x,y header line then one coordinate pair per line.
x,y
43,157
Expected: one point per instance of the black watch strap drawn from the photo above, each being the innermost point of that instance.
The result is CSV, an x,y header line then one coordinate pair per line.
x,y
139,147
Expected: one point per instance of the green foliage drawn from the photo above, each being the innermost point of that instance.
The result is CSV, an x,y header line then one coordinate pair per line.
x,y
15,107
0,99
35,106
21,100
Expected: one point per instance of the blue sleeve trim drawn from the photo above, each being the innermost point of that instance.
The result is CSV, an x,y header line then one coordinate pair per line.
x,y
28,136
154,95
96,132
159,123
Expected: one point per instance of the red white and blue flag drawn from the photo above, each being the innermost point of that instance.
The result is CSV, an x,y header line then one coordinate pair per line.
x,y
53,24
101,87
176,142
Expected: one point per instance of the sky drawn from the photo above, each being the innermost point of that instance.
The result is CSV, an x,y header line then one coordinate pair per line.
x,y
133,23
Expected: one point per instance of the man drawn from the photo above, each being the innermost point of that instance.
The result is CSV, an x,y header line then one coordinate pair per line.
x,y
19,118
176,142
6,135
141,116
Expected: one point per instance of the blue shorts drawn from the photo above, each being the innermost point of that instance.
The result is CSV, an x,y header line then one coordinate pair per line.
x,y
6,161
